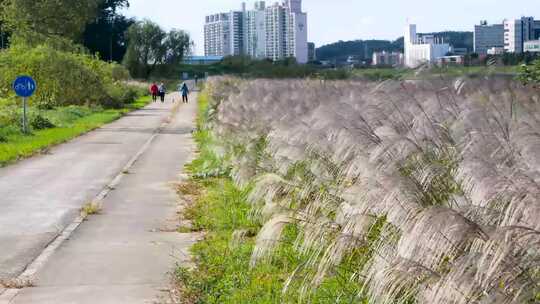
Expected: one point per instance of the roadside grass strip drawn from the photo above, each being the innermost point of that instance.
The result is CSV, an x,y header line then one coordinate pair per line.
x,y
18,146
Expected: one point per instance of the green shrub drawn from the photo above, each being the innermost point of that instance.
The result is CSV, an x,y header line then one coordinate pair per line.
x,y
8,115
39,122
62,78
119,72
530,73
120,95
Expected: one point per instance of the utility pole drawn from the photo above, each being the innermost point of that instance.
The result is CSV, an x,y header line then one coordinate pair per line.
x,y
111,41
2,46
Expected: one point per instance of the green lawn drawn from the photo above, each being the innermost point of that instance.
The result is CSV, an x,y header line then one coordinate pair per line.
x,y
69,122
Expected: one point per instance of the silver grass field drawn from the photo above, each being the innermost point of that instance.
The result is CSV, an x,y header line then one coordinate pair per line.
x,y
447,170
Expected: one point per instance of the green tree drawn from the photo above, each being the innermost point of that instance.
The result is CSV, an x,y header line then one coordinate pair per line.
x,y
530,73
178,45
37,21
145,48
105,36
150,46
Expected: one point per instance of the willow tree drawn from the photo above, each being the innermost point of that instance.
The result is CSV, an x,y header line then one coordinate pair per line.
x,y
149,46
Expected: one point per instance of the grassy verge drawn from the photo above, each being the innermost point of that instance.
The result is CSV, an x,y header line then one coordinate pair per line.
x,y
69,123
222,272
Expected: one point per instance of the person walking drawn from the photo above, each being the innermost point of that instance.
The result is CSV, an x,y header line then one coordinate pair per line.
x,y
162,91
185,92
154,90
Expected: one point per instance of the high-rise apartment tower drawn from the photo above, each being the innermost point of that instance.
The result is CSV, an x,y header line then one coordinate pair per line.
x,y
277,31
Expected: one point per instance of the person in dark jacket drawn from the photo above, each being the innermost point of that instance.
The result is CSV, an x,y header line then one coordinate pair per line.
x,y
184,90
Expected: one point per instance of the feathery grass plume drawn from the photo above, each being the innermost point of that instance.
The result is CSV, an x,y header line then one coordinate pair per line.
x,y
452,166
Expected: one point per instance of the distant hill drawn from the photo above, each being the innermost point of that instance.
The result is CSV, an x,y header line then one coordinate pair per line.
x,y
364,49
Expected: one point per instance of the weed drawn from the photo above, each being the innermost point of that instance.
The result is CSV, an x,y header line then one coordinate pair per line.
x,y
91,208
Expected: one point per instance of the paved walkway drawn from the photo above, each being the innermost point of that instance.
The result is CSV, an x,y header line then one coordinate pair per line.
x,y
121,255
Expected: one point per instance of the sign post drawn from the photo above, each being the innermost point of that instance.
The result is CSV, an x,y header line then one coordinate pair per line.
x,y
24,86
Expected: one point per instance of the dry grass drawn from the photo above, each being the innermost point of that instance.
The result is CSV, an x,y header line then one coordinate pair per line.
x,y
190,187
17,283
189,191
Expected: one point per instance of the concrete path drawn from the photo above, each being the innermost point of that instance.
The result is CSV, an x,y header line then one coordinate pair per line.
x,y
121,255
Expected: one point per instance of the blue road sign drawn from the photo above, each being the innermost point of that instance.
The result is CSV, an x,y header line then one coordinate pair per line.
x,y
24,86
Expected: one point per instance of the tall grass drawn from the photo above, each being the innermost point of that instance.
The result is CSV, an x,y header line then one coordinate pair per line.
x,y
223,273
434,184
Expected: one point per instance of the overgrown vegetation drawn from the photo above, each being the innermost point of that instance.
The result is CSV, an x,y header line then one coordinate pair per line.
x,y
364,199
65,78
530,74
76,92
223,273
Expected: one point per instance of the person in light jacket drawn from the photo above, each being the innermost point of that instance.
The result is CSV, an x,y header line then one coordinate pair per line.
x,y
162,91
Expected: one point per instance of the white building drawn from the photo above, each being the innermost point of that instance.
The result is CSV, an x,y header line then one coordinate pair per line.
x,y
513,36
532,46
276,32
298,40
224,34
495,51
217,35
422,49
519,31
286,31
255,31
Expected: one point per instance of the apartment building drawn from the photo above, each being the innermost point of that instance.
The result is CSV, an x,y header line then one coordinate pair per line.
x,y
255,31
224,34
217,35
277,31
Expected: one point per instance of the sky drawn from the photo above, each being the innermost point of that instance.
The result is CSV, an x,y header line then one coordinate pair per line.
x,y
333,20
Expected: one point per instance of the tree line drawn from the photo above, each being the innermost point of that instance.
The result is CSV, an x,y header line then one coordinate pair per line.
x,y
94,26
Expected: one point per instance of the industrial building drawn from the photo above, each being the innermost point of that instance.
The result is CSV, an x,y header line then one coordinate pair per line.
x,y
422,49
387,59
487,37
